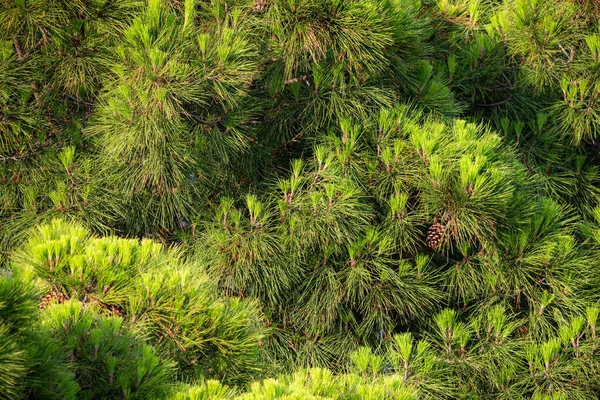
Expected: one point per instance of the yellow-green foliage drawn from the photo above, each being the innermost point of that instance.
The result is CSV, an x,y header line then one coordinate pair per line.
x,y
313,384
169,302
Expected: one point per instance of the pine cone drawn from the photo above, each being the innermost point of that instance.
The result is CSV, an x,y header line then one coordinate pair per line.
x,y
59,297
115,310
260,6
434,235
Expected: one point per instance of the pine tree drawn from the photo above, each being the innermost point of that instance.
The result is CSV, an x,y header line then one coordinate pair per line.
x,y
255,199
54,58
338,259
16,310
105,357
153,291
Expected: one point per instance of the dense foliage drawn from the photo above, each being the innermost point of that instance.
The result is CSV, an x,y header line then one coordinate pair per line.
x,y
300,199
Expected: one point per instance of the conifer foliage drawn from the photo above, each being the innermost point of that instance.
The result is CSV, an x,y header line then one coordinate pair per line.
x,y
299,199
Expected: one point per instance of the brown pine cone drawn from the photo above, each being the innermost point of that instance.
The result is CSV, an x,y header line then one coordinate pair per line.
x,y
59,297
260,6
434,235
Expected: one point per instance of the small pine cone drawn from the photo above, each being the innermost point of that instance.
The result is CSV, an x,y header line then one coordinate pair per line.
x,y
447,216
115,311
434,235
260,6
59,297
432,244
